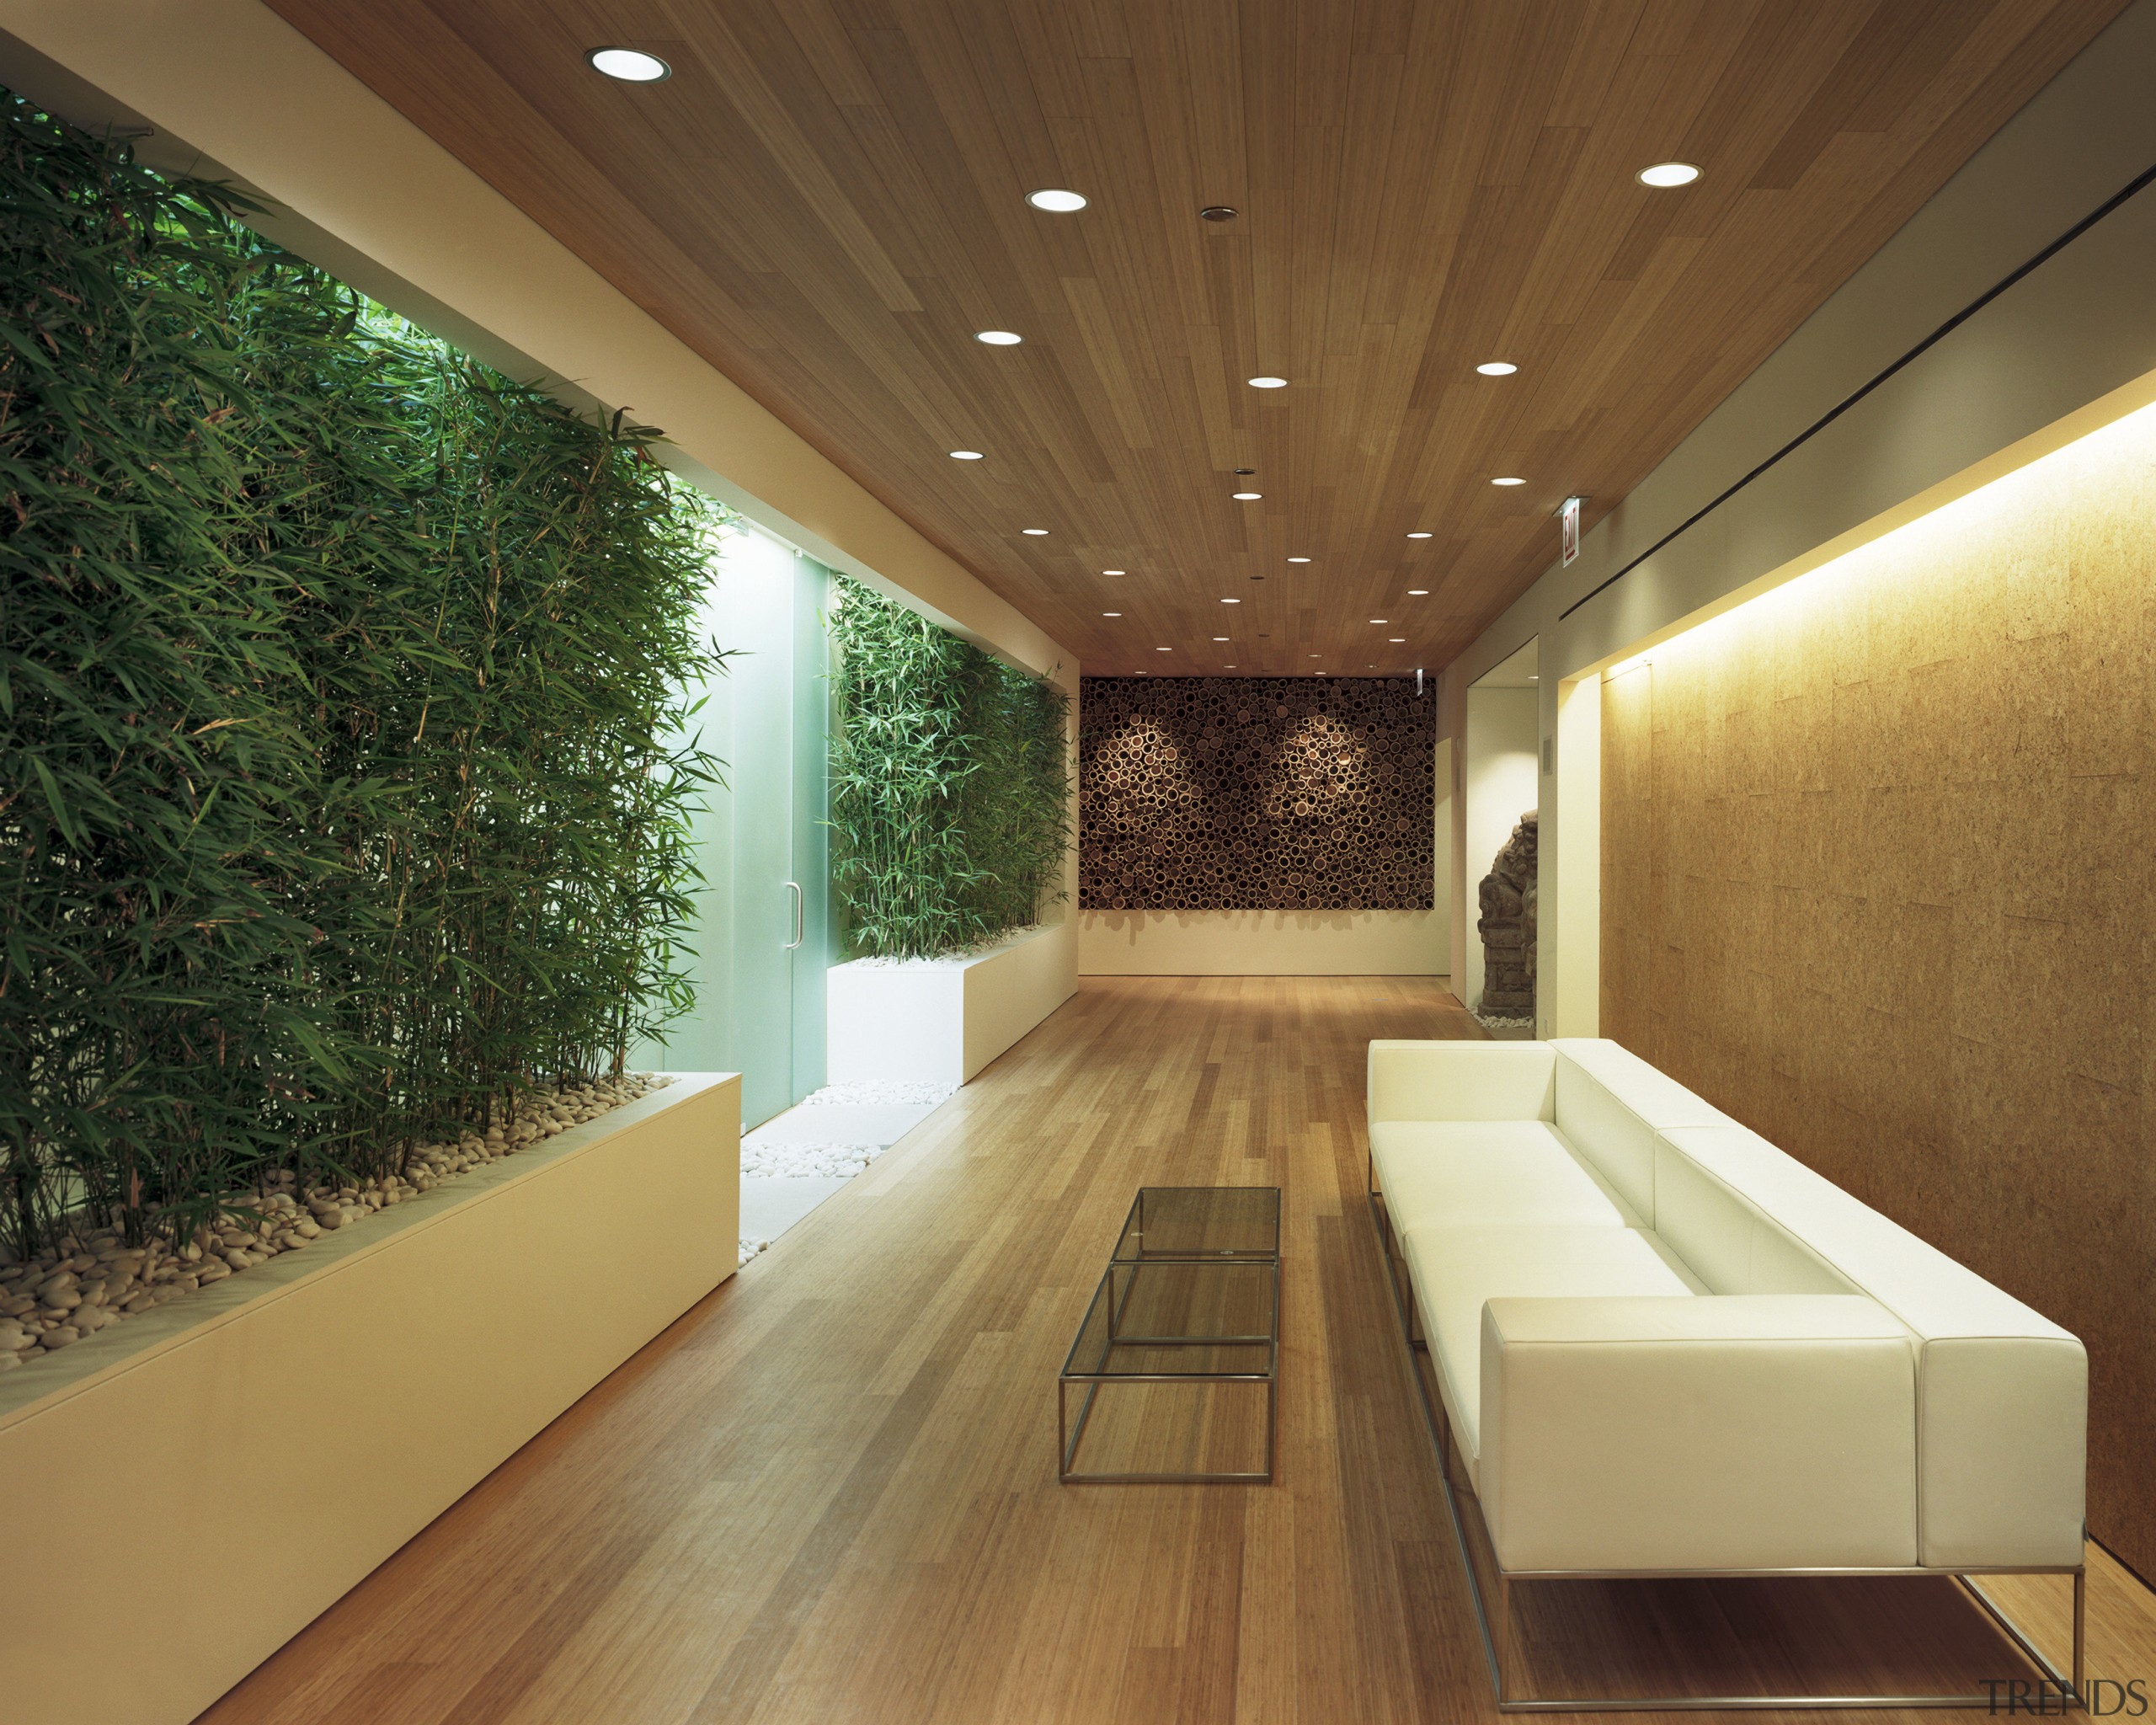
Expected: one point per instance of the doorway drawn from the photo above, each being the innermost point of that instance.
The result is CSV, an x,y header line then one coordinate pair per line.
x,y
762,931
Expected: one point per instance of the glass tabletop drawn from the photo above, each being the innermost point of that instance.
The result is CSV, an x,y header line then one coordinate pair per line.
x,y
1180,1318
1210,1222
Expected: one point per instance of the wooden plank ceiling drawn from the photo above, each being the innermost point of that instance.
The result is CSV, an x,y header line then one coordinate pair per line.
x,y
827,200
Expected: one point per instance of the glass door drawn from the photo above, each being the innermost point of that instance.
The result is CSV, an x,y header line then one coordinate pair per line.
x,y
763,933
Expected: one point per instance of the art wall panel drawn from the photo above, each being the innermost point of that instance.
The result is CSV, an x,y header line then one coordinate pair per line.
x,y
1877,881
1233,793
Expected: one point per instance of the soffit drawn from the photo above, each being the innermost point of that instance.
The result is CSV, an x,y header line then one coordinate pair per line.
x,y
826,200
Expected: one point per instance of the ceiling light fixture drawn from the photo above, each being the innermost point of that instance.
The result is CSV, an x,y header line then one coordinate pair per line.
x,y
1298,560
1268,383
1508,480
1246,496
1377,619
1668,174
1164,650
1418,592
965,455
1418,535
1231,601
1034,533
1055,201
630,66
1111,572
1218,212
1220,637
1395,639
1110,613
1496,368
998,338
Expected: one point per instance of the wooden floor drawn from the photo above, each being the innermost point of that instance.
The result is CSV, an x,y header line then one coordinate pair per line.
x,y
828,1494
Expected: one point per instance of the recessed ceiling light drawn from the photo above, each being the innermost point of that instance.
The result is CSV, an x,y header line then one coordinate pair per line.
x,y
1268,383
998,338
1111,572
1508,480
1377,619
1218,212
1246,496
1488,368
1220,637
1298,560
1317,655
1317,673
1231,601
1666,173
1034,533
1227,667
1418,592
630,66
1164,650
965,455
1110,613
1395,639
1418,535
1055,201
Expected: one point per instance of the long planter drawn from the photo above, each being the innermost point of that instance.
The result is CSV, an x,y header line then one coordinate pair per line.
x,y
229,1466
939,1021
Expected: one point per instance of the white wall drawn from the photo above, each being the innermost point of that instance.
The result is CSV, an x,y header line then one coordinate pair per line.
x,y
1262,942
1502,784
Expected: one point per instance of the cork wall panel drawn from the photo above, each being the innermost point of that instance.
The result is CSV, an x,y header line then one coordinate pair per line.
x,y
1876,880
1239,794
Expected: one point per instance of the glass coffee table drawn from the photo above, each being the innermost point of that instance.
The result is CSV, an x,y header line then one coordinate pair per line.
x,y
1179,1354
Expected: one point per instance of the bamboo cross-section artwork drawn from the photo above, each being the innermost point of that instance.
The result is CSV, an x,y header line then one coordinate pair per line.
x,y
1204,794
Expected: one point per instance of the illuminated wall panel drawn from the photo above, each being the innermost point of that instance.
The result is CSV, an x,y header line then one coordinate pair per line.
x,y
1877,880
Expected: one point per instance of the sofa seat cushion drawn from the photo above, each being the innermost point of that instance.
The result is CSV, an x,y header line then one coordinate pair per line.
x,y
1456,1270
1464,1172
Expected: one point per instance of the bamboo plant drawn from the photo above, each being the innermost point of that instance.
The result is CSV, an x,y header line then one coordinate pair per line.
x,y
339,796
950,785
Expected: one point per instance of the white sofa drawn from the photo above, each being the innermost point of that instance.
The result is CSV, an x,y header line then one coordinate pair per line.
x,y
1663,1344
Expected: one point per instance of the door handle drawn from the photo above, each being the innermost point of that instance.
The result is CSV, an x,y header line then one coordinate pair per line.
x,y
800,914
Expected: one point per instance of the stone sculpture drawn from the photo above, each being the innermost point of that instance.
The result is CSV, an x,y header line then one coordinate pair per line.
x,y
1507,926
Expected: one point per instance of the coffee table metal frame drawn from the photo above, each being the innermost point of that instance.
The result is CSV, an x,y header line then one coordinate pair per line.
x,y
1131,1257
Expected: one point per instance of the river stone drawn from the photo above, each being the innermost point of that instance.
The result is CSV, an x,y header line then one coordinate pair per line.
x,y
60,1336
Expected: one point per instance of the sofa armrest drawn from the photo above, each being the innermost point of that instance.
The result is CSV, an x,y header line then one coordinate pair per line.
x,y
1462,1081
1711,1433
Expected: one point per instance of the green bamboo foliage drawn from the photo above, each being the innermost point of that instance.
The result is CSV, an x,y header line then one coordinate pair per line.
x,y
950,785
336,800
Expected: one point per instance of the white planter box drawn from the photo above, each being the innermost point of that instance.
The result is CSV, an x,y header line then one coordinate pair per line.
x,y
939,1021
334,1401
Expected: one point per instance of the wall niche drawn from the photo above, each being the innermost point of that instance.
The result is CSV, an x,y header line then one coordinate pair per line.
x,y
1235,793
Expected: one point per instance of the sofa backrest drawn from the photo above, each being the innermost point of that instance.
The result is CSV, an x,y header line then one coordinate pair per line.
x,y
1610,1103
1732,1244
2003,1391
1461,1080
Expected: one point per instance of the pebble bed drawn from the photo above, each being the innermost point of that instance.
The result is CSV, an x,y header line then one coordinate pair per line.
x,y
94,1278
830,1160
